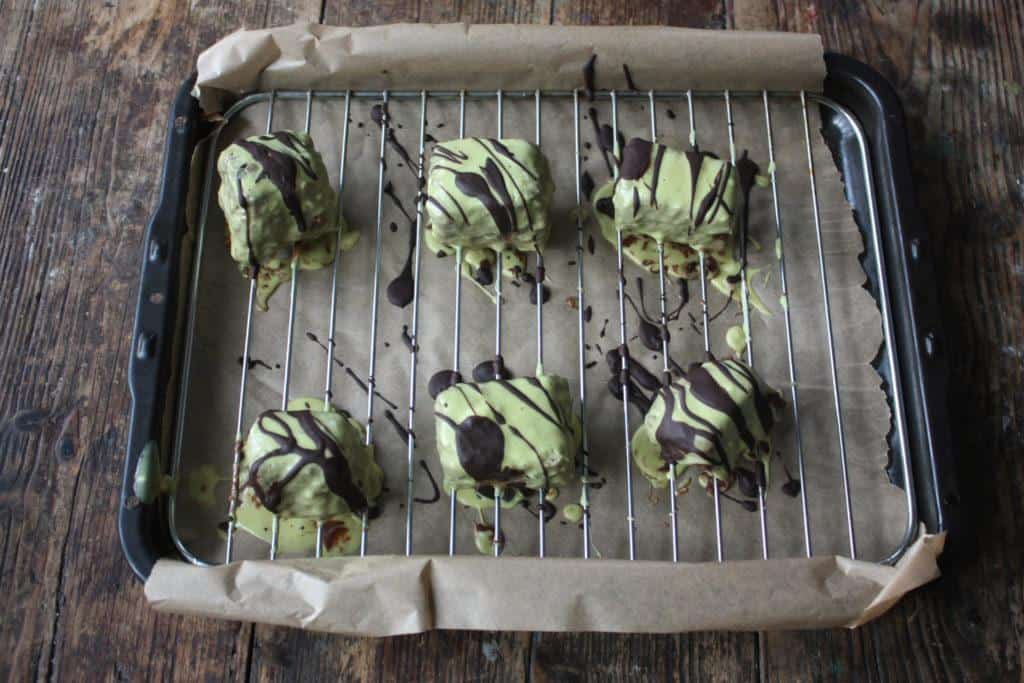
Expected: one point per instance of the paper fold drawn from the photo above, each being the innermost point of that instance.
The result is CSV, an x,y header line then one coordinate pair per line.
x,y
507,56
393,595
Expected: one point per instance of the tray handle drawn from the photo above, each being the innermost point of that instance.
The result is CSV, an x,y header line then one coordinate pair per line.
x,y
142,522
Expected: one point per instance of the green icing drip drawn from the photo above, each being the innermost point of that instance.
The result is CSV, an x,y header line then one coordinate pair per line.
x,y
150,480
513,262
298,536
573,513
681,260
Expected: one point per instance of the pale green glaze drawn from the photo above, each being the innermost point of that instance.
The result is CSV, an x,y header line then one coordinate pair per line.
x,y
554,436
459,219
307,496
736,339
669,214
647,450
262,229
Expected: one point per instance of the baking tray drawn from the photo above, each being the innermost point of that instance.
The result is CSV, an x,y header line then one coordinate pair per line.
x,y
874,152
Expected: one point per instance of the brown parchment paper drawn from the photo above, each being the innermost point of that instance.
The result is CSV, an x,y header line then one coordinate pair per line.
x,y
490,56
387,594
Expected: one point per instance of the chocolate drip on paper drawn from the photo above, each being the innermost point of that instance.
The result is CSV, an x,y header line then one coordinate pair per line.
x,y
629,78
436,495
589,77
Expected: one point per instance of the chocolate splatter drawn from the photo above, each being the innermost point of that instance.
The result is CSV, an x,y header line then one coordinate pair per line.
x,y
629,78
403,433
589,77
365,388
254,362
313,338
441,380
436,495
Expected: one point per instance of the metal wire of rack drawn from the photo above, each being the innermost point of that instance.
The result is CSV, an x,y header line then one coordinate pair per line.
x,y
652,99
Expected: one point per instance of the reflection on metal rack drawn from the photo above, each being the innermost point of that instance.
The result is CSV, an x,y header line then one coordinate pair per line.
x,y
581,334
705,325
650,98
332,313
456,345
624,381
233,501
275,530
784,284
747,335
410,432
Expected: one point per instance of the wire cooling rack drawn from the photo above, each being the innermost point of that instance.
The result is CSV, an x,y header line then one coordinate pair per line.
x,y
542,100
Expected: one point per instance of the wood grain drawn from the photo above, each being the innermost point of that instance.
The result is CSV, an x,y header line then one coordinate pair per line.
x,y
958,69
84,88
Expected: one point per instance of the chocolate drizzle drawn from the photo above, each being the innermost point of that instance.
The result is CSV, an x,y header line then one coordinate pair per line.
x,y
480,440
280,169
629,78
489,184
588,77
436,495
636,157
679,438
480,445
441,380
401,290
326,454
587,185
490,370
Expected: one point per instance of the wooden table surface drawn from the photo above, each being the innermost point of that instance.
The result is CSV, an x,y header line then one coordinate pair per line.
x,y
84,90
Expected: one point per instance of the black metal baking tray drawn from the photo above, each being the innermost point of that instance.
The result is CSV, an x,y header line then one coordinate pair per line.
x,y
143,524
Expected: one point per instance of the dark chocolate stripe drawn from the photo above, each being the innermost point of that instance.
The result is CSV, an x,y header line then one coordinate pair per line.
x,y
281,170
522,196
707,390
506,152
336,470
507,386
462,212
636,157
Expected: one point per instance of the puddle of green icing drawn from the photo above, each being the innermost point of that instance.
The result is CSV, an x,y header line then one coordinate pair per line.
x,y
298,536
150,480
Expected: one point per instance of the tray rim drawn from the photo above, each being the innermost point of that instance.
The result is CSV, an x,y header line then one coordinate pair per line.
x,y
145,527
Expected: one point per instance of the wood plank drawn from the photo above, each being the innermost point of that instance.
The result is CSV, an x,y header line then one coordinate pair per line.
x,y
86,89
342,13
957,68
282,653
83,91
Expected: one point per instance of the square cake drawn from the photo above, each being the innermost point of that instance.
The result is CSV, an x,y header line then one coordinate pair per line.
x,y
509,433
686,197
488,193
